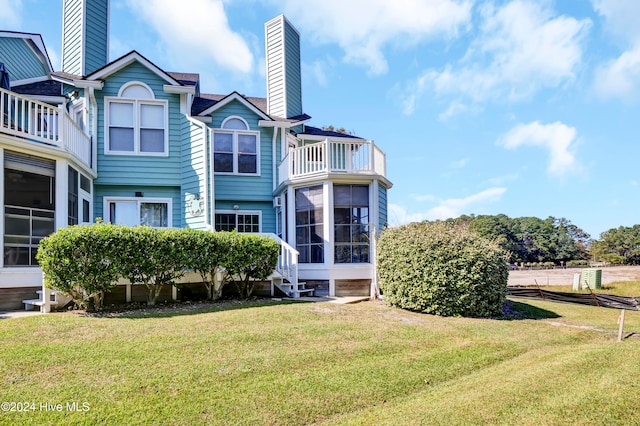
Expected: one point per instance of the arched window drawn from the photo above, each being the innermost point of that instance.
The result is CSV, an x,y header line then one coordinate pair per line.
x,y
136,122
236,149
235,123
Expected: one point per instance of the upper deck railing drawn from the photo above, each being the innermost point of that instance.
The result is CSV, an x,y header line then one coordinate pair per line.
x,y
37,121
358,157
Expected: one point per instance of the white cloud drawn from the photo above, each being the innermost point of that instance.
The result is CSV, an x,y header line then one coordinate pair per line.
x,y
455,108
557,138
316,70
449,208
521,48
362,28
621,17
192,34
620,77
10,14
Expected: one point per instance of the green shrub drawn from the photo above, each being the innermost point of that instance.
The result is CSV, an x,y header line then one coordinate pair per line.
x,y
209,254
153,257
82,262
85,262
251,258
441,269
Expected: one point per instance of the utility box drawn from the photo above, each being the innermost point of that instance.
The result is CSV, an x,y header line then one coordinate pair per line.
x,y
592,278
577,285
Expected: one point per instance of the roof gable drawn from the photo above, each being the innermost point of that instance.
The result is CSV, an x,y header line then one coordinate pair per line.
x,y
24,54
128,59
210,104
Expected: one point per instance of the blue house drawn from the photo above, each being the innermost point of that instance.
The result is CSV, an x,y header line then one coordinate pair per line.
x,y
129,142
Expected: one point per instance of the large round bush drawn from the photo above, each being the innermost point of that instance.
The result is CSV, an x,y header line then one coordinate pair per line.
x,y
438,268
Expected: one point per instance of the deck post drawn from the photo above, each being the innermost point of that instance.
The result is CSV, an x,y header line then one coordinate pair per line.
x,y
45,308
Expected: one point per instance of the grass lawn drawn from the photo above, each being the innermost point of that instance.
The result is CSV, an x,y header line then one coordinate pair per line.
x,y
301,363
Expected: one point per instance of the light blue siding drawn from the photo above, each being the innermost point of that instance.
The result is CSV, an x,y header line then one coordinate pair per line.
x,y
72,20
293,81
194,173
96,41
284,85
249,188
139,171
85,35
20,59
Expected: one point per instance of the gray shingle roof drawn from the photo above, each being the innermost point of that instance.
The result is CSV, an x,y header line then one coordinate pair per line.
x,y
42,88
186,78
315,131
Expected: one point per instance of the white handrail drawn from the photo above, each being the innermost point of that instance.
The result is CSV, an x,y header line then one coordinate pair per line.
x,y
287,260
353,157
37,121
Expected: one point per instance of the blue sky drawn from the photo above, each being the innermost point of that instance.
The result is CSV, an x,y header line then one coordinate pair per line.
x,y
527,108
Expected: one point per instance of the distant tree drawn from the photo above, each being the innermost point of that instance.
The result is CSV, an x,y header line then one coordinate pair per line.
x,y
342,130
530,239
618,245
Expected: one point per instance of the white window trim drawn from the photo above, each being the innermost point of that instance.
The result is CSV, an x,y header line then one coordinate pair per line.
x,y
241,212
78,107
136,121
235,134
84,195
106,211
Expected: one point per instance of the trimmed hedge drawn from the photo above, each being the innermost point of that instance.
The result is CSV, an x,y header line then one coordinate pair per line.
x,y
438,268
86,262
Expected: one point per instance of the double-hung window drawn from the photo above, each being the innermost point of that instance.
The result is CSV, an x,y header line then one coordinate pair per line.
x,y
154,212
236,149
136,122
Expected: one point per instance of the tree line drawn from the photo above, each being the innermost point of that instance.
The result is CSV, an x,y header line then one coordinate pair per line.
x,y
554,240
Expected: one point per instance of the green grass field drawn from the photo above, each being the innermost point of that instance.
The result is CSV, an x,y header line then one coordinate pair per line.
x,y
320,363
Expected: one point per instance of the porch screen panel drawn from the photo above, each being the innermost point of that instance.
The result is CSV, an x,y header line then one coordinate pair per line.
x,y
29,206
351,223
310,224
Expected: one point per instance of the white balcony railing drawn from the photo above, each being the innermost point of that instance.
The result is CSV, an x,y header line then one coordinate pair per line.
x,y
359,157
37,121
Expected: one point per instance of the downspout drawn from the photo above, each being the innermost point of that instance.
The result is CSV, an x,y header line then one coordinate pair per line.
x,y
275,161
207,216
94,129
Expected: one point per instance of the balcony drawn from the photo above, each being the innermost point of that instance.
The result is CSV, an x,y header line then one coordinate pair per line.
x,y
332,157
38,122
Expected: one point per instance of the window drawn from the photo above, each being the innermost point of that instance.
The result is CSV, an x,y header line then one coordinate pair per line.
x,y
351,223
236,148
136,122
310,224
154,212
242,221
